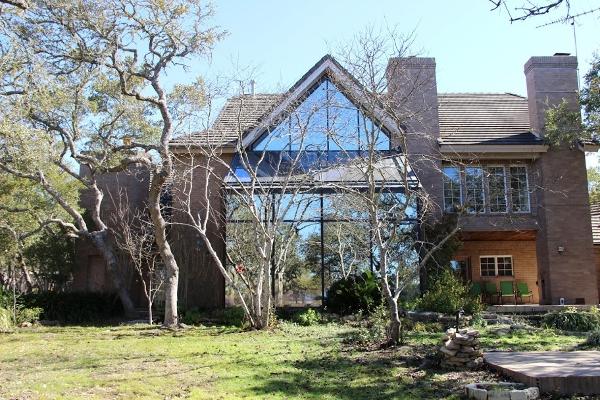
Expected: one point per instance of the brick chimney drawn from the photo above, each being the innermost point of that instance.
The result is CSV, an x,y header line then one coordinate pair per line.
x,y
413,88
566,263
549,81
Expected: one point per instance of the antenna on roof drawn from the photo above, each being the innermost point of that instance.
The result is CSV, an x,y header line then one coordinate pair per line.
x,y
571,19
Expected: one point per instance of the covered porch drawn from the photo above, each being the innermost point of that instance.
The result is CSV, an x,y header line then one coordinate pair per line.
x,y
497,260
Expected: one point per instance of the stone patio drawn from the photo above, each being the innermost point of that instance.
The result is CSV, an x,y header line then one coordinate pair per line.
x,y
551,371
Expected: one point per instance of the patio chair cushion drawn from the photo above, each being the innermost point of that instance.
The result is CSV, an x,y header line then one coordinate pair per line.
x,y
523,289
490,288
475,289
506,288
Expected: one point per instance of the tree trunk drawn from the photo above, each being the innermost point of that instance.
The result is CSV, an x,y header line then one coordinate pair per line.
x,y
395,323
166,254
279,289
26,274
100,240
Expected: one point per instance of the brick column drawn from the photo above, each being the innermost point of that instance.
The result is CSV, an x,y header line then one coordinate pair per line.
x,y
563,209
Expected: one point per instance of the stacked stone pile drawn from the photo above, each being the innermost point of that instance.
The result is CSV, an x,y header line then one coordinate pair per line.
x,y
461,349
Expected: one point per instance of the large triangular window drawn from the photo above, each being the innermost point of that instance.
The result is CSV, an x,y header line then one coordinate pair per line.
x,y
326,120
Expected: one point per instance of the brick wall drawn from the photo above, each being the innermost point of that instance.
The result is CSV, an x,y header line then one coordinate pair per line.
x,y
597,254
201,283
523,256
562,195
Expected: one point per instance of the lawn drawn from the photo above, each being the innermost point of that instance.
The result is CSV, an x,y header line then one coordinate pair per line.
x,y
291,362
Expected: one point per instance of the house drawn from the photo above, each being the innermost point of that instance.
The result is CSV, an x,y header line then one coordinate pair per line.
x,y
526,208
595,212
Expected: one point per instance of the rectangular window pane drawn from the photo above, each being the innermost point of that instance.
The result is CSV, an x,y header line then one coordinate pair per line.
x,y
505,266
497,188
488,266
474,188
519,192
451,188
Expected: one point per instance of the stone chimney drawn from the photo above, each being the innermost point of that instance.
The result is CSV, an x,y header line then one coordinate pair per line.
x,y
413,89
565,253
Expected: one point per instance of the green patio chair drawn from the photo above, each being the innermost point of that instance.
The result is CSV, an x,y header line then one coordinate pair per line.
x,y
507,289
523,291
490,290
475,289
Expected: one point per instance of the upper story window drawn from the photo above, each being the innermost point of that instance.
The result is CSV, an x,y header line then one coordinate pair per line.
x,y
326,120
497,189
475,187
475,198
519,191
452,188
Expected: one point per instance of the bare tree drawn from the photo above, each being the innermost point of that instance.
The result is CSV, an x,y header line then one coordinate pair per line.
x,y
134,235
391,200
527,9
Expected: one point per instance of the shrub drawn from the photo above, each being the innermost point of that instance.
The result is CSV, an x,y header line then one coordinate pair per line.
x,y
357,293
6,319
308,317
375,330
427,327
570,319
192,316
29,315
593,339
75,307
447,294
234,316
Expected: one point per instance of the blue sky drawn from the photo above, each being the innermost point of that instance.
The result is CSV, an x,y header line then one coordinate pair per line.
x,y
476,50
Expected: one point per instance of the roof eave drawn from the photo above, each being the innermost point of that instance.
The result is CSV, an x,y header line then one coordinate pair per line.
x,y
528,151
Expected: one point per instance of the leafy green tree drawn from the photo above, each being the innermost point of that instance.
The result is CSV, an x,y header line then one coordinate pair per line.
x,y
565,126
593,176
82,85
590,97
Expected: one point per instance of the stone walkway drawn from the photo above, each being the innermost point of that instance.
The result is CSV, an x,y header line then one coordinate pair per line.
x,y
565,372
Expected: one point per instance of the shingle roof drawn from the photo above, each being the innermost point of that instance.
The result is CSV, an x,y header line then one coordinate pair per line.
x,y
465,118
239,114
595,214
484,118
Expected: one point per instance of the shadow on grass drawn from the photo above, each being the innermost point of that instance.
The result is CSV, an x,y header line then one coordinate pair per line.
x,y
371,375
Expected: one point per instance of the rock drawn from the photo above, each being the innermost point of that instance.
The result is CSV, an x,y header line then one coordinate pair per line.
x,y
467,349
498,395
184,326
25,324
449,352
452,345
424,316
518,395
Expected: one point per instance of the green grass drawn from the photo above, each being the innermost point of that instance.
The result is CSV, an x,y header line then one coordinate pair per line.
x,y
291,362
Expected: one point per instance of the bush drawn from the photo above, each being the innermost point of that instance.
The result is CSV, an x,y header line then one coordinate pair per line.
x,y
447,294
357,293
6,319
30,315
308,317
427,327
593,339
192,316
74,307
570,319
234,316
376,328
